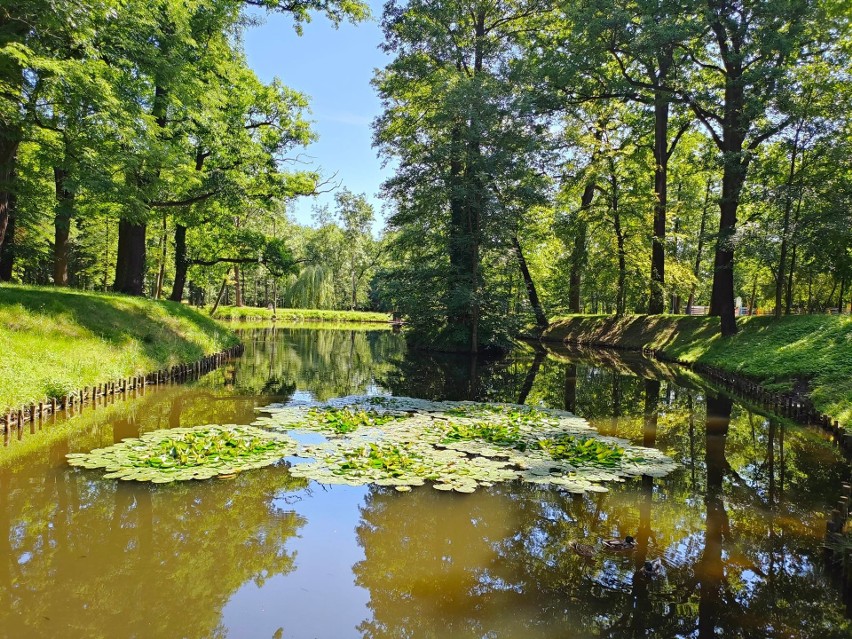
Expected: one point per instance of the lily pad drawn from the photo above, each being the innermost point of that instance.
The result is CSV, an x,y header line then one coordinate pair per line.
x,y
184,454
402,442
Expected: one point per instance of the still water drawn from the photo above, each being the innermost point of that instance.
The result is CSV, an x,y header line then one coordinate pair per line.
x,y
738,526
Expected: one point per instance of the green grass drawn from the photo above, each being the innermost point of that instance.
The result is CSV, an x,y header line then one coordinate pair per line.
x,y
55,341
781,354
248,313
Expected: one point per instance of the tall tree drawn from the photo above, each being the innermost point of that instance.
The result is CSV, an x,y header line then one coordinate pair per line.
x,y
644,41
453,120
745,61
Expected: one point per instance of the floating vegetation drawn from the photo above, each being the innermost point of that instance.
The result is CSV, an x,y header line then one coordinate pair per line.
x,y
583,451
344,420
180,454
405,442
493,433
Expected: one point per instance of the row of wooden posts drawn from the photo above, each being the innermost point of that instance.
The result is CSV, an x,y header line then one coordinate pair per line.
x,y
839,554
796,408
838,550
33,412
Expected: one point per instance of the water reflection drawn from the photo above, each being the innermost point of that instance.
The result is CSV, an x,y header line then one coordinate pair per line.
x,y
737,528
85,557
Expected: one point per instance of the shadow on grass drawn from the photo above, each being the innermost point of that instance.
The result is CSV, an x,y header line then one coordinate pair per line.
x,y
156,325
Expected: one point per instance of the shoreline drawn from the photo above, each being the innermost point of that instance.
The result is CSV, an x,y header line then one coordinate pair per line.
x,y
803,364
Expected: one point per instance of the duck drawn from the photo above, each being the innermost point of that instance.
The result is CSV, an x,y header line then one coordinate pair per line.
x,y
652,568
584,550
620,545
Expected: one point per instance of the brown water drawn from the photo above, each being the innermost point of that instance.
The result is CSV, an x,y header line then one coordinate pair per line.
x,y
738,527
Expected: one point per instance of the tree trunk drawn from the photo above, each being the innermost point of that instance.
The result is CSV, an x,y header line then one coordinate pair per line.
x,y
712,569
785,227
651,413
181,265
697,269
578,251
62,226
7,251
722,299
621,301
830,296
219,296
570,390
753,299
161,272
535,303
529,379
674,307
840,307
130,260
354,300
788,294
458,310
656,303
238,289
9,140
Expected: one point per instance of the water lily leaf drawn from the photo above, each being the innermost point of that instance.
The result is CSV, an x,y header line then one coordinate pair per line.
x,y
185,454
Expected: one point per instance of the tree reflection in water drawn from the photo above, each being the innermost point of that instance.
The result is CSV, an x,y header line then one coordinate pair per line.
x,y
83,557
738,527
498,564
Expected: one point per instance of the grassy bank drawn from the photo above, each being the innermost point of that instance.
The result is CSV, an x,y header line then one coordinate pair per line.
x,y
248,313
54,341
809,352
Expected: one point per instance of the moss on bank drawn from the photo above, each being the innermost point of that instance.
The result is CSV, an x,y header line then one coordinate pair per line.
x,y
807,352
54,341
250,313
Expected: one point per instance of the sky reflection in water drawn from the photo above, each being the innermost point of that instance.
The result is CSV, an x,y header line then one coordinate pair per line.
x,y
738,527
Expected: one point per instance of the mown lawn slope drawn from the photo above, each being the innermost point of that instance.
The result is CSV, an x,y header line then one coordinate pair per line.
x,y
232,313
810,351
54,341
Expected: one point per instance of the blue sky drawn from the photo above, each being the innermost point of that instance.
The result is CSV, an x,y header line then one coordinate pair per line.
x,y
333,68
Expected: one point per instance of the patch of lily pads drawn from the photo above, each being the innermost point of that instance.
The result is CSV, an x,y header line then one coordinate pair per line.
x,y
458,446
181,454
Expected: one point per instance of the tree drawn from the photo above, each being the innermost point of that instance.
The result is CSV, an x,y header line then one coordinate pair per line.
x,y
456,124
745,62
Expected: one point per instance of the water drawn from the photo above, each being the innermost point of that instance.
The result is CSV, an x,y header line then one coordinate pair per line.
x,y
738,527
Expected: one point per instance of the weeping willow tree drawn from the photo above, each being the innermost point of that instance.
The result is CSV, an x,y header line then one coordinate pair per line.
x,y
313,288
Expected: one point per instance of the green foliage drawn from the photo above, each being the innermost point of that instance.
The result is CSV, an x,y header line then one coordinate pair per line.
x,y
464,138
582,451
344,420
297,315
499,434
146,112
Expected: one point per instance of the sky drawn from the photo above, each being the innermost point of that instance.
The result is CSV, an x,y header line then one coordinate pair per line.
x,y
333,68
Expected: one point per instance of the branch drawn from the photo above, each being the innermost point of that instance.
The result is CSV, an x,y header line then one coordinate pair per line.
x,y
234,260
759,139
683,129
187,202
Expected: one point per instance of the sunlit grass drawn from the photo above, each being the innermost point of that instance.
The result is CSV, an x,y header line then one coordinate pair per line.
x,y
815,350
55,341
298,314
